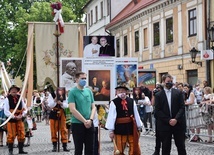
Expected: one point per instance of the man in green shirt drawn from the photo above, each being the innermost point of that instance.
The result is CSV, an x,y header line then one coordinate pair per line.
x,y
82,107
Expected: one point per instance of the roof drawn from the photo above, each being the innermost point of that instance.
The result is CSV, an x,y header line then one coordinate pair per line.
x,y
129,10
88,2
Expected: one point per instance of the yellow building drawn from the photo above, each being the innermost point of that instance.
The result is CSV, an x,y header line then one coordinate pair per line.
x,y
161,34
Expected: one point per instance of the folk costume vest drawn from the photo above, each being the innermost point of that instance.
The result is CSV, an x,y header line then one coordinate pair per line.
x,y
56,112
12,104
124,128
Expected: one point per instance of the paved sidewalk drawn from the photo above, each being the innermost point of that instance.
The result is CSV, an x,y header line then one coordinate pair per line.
x,y
41,145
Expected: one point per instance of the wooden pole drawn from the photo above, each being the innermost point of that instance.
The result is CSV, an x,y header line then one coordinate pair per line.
x,y
57,34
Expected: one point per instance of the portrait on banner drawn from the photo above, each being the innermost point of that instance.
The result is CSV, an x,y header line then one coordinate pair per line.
x,y
99,46
99,83
69,67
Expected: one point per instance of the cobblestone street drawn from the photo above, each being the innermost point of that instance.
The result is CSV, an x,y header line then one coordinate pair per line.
x,y
41,144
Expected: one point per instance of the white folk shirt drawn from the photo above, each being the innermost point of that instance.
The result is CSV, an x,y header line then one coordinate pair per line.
x,y
112,115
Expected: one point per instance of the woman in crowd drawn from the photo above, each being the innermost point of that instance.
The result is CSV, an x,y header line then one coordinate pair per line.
x,y
45,108
208,111
2,117
194,119
37,103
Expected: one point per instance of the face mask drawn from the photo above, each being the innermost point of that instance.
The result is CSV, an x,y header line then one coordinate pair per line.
x,y
82,83
122,95
169,85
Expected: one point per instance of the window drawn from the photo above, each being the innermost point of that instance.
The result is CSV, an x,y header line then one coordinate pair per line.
x,y
136,36
156,34
96,14
108,7
125,46
161,75
145,38
91,17
118,47
192,22
192,77
101,10
169,30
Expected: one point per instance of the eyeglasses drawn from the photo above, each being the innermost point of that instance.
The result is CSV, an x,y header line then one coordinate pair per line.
x,y
83,78
102,40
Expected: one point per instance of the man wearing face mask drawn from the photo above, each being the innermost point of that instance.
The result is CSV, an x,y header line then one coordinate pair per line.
x,y
170,117
124,122
82,107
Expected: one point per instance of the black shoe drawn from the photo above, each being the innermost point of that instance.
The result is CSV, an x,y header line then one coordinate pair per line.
x,y
22,152
156,153
64,145
54,146
66,150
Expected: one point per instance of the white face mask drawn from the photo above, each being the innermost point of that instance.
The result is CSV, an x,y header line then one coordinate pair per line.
x,y
122,95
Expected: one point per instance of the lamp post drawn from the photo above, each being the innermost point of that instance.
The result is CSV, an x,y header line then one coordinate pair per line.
x,y
211,30
193,53
210,39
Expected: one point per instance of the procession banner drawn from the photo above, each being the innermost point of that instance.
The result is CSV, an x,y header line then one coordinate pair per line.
x,y
68,68
46,47
126,72
100,73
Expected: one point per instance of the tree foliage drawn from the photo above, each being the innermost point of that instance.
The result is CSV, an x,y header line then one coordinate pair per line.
x,y
13,26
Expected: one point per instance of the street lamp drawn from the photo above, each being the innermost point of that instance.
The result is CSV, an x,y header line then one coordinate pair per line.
x,y
193,53
211,30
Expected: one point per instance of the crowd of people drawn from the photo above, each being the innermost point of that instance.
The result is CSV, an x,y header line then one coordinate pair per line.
x,y
180,111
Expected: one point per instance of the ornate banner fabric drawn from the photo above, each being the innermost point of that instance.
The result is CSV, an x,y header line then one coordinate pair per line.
x,y
45,47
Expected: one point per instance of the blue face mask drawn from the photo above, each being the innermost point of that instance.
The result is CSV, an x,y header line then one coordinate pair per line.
x,y
82,83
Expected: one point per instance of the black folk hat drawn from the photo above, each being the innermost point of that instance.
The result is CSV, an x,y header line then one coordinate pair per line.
x,y
122,87
14,86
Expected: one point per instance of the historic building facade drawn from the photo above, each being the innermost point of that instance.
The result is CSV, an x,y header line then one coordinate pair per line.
x,y
161,34
100,12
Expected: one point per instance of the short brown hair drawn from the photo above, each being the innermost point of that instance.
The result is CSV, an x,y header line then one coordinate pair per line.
x,y
77,75
166,76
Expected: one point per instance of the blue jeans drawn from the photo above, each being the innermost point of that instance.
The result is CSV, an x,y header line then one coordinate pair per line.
x,y
82,135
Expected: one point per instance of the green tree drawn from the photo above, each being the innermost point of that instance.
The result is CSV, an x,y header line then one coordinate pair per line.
x,y
14,39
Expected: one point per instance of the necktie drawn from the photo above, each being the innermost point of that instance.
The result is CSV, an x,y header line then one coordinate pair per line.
x,y
124,104
15,100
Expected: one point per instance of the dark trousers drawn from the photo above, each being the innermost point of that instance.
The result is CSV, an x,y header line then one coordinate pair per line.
x,y
166,139
96,142
157,141
147,116
83,136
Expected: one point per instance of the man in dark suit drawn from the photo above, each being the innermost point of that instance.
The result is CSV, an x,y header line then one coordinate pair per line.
x,y
170,113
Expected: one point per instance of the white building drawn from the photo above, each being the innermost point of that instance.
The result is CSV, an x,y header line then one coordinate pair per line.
x,y
100,12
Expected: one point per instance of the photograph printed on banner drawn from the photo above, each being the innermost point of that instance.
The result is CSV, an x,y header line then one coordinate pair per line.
x,y
126,75
147,78
61,94
99,46
99,83
69,67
